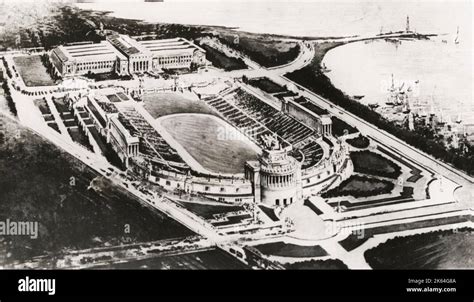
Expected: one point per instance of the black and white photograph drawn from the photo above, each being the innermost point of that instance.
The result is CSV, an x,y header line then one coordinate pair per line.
x,y
312,136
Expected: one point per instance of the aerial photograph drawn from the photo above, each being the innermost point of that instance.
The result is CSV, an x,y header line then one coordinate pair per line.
x,y
236,135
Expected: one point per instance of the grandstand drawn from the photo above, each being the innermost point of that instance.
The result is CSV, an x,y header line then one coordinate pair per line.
x,y
257,119
152,144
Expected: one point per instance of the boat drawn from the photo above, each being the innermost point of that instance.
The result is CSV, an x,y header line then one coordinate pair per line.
x,y
324,68
393,40
456,40
373,105
459,119
398,96
406,106
392,94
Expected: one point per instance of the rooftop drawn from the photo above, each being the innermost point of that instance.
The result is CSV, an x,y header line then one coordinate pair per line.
x,y
83,52
167,46
127,45
310,106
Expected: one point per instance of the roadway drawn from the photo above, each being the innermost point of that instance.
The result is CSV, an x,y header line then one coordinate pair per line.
x,y
276,74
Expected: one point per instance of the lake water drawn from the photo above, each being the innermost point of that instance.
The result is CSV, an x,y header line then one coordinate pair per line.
x,y
436,72
443,70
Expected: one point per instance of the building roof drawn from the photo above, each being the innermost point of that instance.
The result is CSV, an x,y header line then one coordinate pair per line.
x,y
85,52
326,120
310,106
126,129
167,47
127,45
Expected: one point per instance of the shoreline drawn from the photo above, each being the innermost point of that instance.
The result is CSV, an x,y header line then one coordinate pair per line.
x,y
314,79
109,14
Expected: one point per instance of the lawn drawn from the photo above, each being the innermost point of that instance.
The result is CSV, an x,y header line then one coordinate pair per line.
x,y
221,60
269,212
267,85
360,186
70,123
317,265
340,128
436,250
32,71
114,98
375,164
405,196
415,172
290,250
54,126
196,133
360,142
48,118
353,241
43,106
79,136
61,105
208,211
161,104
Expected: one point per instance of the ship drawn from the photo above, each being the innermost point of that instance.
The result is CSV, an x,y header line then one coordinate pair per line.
x,y
392,94
373,105
398,96
395,41
456,40
324,68
406,106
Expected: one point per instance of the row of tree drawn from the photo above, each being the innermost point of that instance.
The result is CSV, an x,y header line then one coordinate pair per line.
x,y
8,97
50,67
262,52
7,68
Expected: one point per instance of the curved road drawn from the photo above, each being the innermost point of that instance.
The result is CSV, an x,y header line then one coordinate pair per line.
x,y
464,194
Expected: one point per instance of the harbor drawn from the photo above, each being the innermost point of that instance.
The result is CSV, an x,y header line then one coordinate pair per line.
x,y
401,83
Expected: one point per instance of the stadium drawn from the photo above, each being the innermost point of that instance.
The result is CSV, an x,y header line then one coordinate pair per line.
x,y
224,140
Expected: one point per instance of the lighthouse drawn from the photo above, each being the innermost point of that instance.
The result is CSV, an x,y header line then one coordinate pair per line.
x,y
408,24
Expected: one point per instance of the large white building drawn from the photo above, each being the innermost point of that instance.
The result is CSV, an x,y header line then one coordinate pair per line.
x,y
139,58
123,55
174,53
89,58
